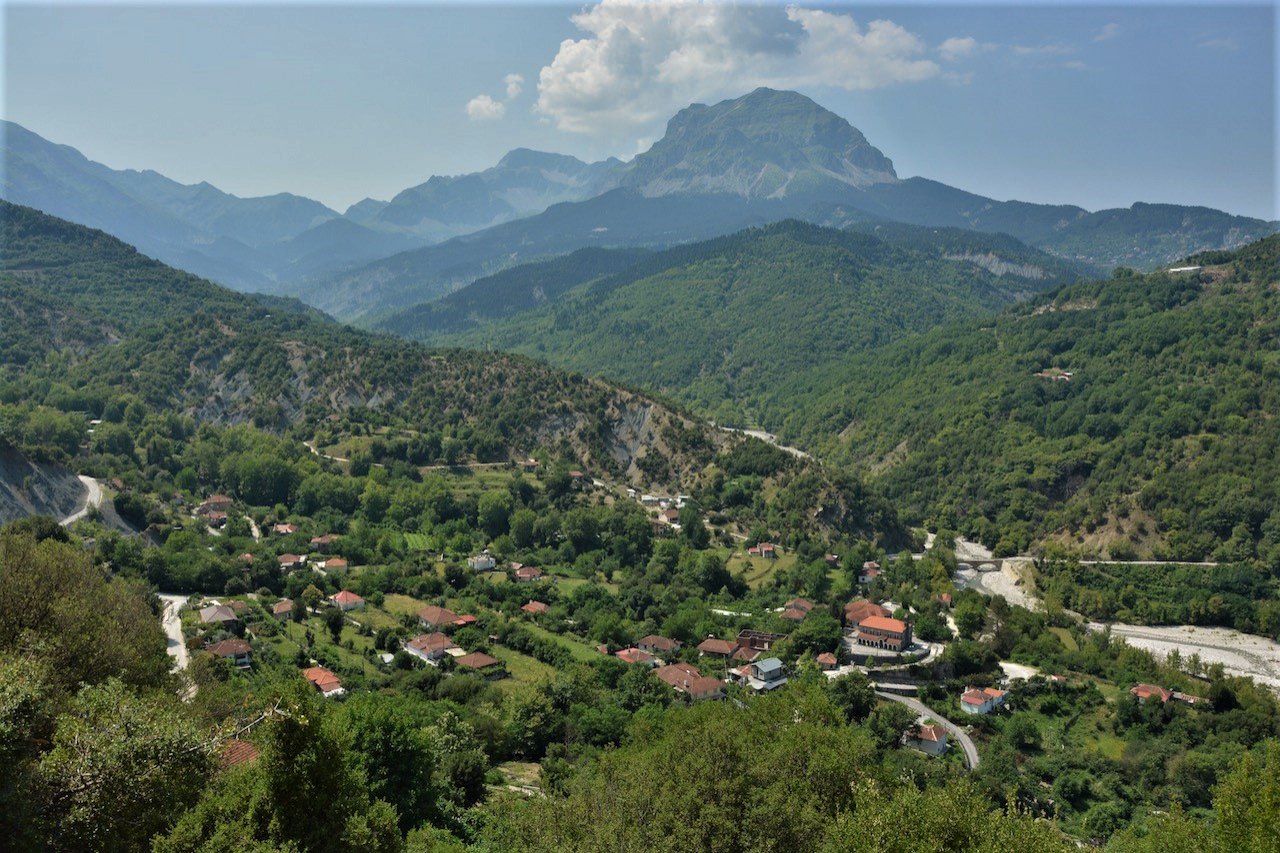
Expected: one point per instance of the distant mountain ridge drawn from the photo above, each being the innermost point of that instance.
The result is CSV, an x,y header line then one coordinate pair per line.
x,y
766,157
763,157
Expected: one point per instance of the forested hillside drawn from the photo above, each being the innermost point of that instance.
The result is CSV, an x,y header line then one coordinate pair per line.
x,y
92,322
1136,415
736,327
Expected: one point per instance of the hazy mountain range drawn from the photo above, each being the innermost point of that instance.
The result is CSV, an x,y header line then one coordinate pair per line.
x,y
761,158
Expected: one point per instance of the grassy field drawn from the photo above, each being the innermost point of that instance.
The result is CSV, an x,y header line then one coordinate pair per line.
x,y
293,637
579,649
570,584
757,570
1064,635
402,605
417,542
374,617
523,669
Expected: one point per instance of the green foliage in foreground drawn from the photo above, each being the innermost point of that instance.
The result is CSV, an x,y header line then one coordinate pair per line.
x,y
1166,440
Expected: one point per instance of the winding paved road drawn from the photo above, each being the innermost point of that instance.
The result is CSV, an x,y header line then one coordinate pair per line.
x,y
966,743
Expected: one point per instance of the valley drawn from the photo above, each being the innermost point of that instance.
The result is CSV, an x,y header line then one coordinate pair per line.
x,y
721,484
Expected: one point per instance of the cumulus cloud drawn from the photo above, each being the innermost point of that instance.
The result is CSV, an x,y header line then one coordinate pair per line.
x,y
1108,32
514,84
485,108
638,62
958,48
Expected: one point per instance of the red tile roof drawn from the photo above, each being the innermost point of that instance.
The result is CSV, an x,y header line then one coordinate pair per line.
x,y
678,675
284,605
713,646
634,656
704,685
660,643
431,642
346,596
1146,691
433,615
859,609
229,648
323,679
235,752
827,659
535,607
933,733
976,696
477,660
884,623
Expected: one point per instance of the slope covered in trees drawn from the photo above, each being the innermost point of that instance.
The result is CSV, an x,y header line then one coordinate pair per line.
x,y
1162,441
736,326
91,323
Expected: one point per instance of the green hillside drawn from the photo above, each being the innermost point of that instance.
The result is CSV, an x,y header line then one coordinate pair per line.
x,y
736,326
89,322
1164,441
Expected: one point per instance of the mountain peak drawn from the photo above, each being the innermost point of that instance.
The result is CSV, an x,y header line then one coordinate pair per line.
x,y
527,158
768,143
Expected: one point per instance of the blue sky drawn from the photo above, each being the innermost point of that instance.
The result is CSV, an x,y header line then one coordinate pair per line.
x,y
1089,104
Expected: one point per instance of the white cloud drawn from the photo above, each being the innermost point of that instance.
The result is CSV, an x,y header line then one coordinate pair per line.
x,y
1108,32
514,84
1043,50
639,62
1228,44
485,108
957,48
1075,65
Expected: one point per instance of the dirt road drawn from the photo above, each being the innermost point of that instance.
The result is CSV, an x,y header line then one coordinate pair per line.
x,y
173,626
92,500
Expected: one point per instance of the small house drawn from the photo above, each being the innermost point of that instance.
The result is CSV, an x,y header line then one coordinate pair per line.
x,y
483,562
981,700
656,645
235,650
429,647
346,600
634,655
218,614
291,562
528,574
432,616
485,665
535,608
324,681
929,739
713,647
282,609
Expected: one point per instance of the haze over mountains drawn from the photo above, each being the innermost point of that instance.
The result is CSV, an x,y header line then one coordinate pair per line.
x,y
757,159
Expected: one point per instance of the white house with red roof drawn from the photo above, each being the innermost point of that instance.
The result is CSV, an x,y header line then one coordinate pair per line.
x,y
346,600
981,700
